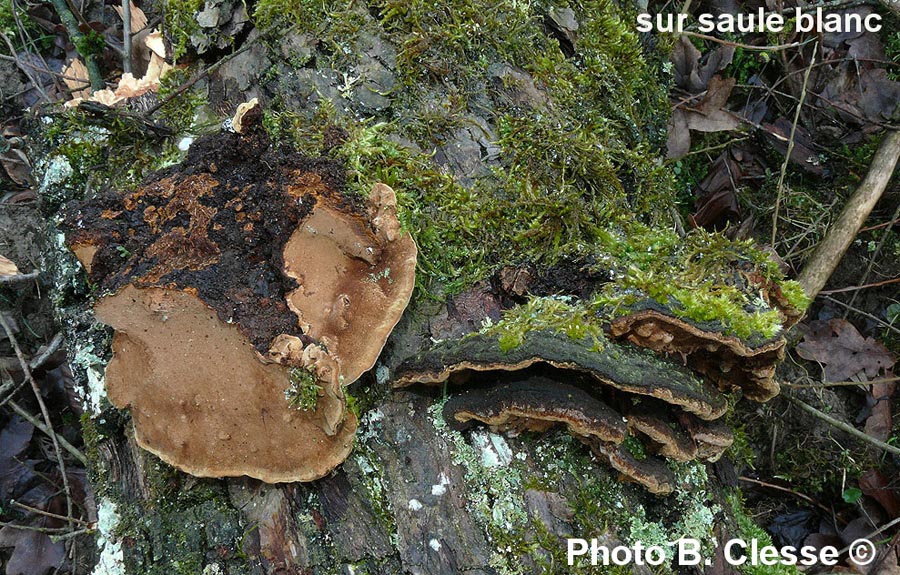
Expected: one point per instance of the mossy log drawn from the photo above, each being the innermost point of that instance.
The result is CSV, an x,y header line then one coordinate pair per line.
x,y
523,143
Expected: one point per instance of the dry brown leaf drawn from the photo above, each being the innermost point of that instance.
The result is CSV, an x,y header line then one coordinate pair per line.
x,y
678,143
154,41
138,18
7,268
879,424
76,77
878,487
17,166
843,351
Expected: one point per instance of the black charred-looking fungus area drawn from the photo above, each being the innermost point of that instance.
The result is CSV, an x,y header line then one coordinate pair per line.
x,y
214,225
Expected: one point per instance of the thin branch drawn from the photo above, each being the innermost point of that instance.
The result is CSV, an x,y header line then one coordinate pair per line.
x,y
857,288
790,147
772,48
44,412
845,427
75,35
842,233
806,498
47,513
52,347
23,413
196,78
863,313
126,36
840,383
18,278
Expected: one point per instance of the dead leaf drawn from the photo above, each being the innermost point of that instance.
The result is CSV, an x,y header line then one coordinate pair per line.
x,y
138,18
686,58
77,79
678,143
15,473
843,351
875,485
7,268
879,424
17,166
802,154
33,552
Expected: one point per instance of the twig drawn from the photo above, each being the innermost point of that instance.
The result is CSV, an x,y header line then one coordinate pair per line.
x,y
74,451
19,277
863,313
879,226
197,77
33,528
790,146
845,427
44,412
840,383
35,81
46,513
71,23
857,288
41,358
744,46
72,534
806,498
126,36
830,251
874,255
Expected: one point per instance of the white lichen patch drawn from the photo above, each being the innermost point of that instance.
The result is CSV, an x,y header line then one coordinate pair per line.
x,y
94,369
440,488
112,560
414,505
493,487
435,544
58,171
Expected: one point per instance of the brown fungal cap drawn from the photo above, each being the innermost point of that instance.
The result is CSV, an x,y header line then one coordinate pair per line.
x,y
355,280
665,432
650,472
725,359
621,367
211,410
237,281
536,404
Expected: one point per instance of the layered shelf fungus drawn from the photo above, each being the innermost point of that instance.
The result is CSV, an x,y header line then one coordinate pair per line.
x,y
729,361
246,289
632,408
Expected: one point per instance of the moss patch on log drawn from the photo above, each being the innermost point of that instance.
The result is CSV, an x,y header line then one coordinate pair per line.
x,y
568,169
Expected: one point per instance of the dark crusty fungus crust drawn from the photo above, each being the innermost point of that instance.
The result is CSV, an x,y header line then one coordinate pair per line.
x,y
226,274
536,404
621,367
725,359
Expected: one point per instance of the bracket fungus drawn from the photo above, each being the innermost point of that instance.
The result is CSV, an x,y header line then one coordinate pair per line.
x,y
234,280
612,397
729,361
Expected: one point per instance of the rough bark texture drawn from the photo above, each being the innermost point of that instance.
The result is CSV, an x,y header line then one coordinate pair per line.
x,y
414,496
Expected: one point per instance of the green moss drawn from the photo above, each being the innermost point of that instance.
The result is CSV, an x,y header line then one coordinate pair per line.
x,y
577,175
747,530
180,113
545,313
181,23
107,150
303,391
